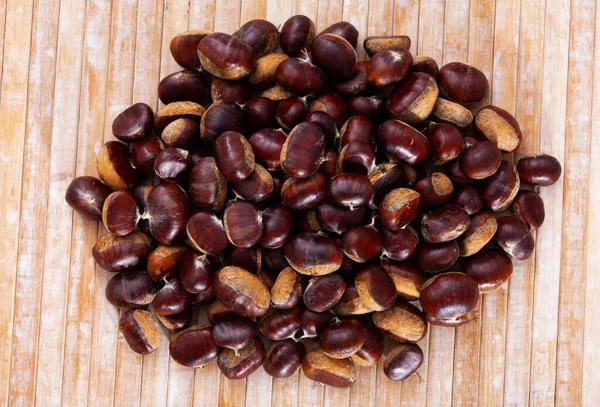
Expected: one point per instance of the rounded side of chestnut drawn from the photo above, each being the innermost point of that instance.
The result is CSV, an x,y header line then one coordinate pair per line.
x,y
194,347
133,123
303,150
226,56
297,33
86,195
449,296
140,330
462,83
284,358
539,169
241,291
334,55
326,370
403,361
313,254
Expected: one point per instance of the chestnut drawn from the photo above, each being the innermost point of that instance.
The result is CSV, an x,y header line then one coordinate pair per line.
x,y
462,83
172,164
313,254
448,297
300,76
250,259
482,229
481,160
144,152
356,84
406,277
499,127
446,111
490,268
130,289
226,56
278,224
177,110
323,292
326,370
267,145
297,33
372,107
172,298
375,287
329,164
206,297
164,261
243,224
331,104
326,123
425,64
261,35
403,361
467,197
499,190
167,211
401,142
539,169
456,174
334,55
351,303
86,195
186,85
140,330
361,243
175,322
386,177
276,94
389,67
345,30
398,245
181,133
114,253
207,186
338,219
528,207
398,208
372,349
234,156
378,43
356,158
217,311
259,112
194,347
235,334
280,324
184,48
403,322
434,258
357,129
303,150
413,100
309,223
207,233
435,190
241,291
291,111
514,238
445,142
444,224
274,258
284,358
133,123
263,74
256,187
342,339
305,193
237,365
195,272
114,166
236,91
286,293
219,118
350,190
313,323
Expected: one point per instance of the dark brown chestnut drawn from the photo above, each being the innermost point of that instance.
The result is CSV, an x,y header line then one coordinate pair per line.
x,y
435,190
256,187
403,361
361,243
114,166
144,152
226,56
241,364
284,358
217,311
172,298
462,83
539,169
305,193
327,124
444,224
331,104
490,268
297,34
448,297
323,292
356,158
167,211
184,48
207,187
481,160
514,238
402,142
300,76
207,233
434,258
263,75
351,303
345,30
357,129
182,133
313,323
280,324
425,64
378,43
172,164
372,349
445,142
114,253
86,195
243,224
375,287
339,219
236,91
177,110
303,150
372,107
482,229
186,85
140,330
398,208
528,207
274,258
456,174
219,118
241,291
196,272
329,164
389,67
334,55
291,111
261,35
259,112
286,293
130,289
467,197
194,347
250,259
325,370
133,123
403,322
278,224
356,84
175,322
398,245
499,190
309,223
164,261
235,334
206,297
267,145
313,254
386,177
350,190
413,100
342,339
406,277
234,156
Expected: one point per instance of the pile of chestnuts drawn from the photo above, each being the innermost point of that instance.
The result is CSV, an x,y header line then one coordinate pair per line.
x,y
310,202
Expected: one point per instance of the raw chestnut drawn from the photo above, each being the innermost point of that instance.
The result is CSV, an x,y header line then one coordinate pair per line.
x,y
196,272
207,186
291,111
184,48
114,166
372,107
130,289
434,258
164,261
326,123
284,358
256,187
181,133
351,303
167,211
186,85
172,164
447,111
86,195
194,347
171,299
144,152
313,323
467,197
313,254
304,193
490,268
250,259
325,370
342,339
334,55
375,44
217,311
133,123
175,322
398,208
359,129
345,30
389,67
206,297
426,65
267,145
514,238
259,113
403,361
499,127
413,100
300,76
435,190
401,142
235,334
261,35
356,158
539,169
303,150
407,278
444,224
372,349
403,322
234,156
528,207
462,83
287,291
361,243
445,142
297,34
481,160
263,75
278,225
331,104
323,292
207,233
398,245
226,56
241,291
219,118
280,324
114,253
233,92
386,177
449,296
375,287
350,190
338,219
177,110
482,229
354,85
140,330
243,224
499,190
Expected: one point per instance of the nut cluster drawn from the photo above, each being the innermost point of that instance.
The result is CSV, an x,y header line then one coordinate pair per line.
x,y
309,200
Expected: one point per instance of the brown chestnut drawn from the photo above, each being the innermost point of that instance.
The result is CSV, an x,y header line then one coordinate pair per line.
x,y
398,208
447,111
339,219
406,277
300,76
356,84
345,30
412,101
303,150
287,291
181,133
372,349
313,254
456,174
342,339
361,243
490,268
297,33
133,123
280,324
259,112
164,261
499,190
284,358
172,164
358,129
403,322
462,83
499,127
235,334
243,224
389,67
186,85
386,177
329,164
356,158
140,330
323,292
176,321
207,187
378,43
196,272
276,94
448,297
402,142
237,91
350,190
481,160
351,303
261,35
445,142
194,347
206,297
207,233
172,298
313,323
435,190
144,152
167,211
467,197
444,224
250,259
219,118
434,258
217,311
114,166
291,111
278,223
184,48
334,55
372,107
241,291
539,169
267,145
425,64
327,124
403,361
305,193
130,289
86,195
226,56
331,104
325,370
482,229
256,187
400,244
114,253
177,110
241,364
514,238
234,156
528,207
375,287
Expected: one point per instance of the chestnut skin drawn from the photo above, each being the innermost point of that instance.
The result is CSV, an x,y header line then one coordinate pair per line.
x,y
539,169
482,229
280,324
467,197
176,321
182,133
226,56
334,55
514,238
259,113
444,224
372,350
172,164
323,292
261,35
331,104
184,48
303,150
172,298
313,254
499,190
241,291
403,361
144,152
195,272
291,111
115,253
207,185
398,208
194,347
243,224
401,142
313,323
326,123
207,233
403,322
357,129
130,289
286,292
356,158
372,107
140,330
235,334
386,177
435,190
219,118
267,144
528,207
234,92
350,190
167,211
304,193
177,110
300,76
361,243
413,100
389,67
448,112
462,83
333,372
407,278
278,225
164,261
437,257
445,142
490,268
114,166
284,358
378,43
481,160
398,245
250,259
449,296
86,195
234,156
499,127
342,339
256,187
354,85
186,85
297,33
338,219
345,30
375,287
133,123
426,65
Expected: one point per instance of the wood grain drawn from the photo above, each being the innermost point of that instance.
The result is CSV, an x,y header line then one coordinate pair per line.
x,y
68,67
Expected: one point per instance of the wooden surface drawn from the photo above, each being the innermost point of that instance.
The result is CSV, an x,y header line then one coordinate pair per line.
x,y
68,67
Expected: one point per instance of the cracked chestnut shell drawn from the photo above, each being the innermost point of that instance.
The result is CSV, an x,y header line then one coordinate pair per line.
x,y
313,254
86,195
194,347
114,253
242,292
226,56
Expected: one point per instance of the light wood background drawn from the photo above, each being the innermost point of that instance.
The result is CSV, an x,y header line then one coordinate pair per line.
x,y
69,66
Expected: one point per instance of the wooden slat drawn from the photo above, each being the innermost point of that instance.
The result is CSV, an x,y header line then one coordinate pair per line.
x,y
13,110
356,12
549,245
278,11
2,31
253,9
456,24
414,389
308,8
575,200
285,391
329,12
406,21
202,15
363,391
